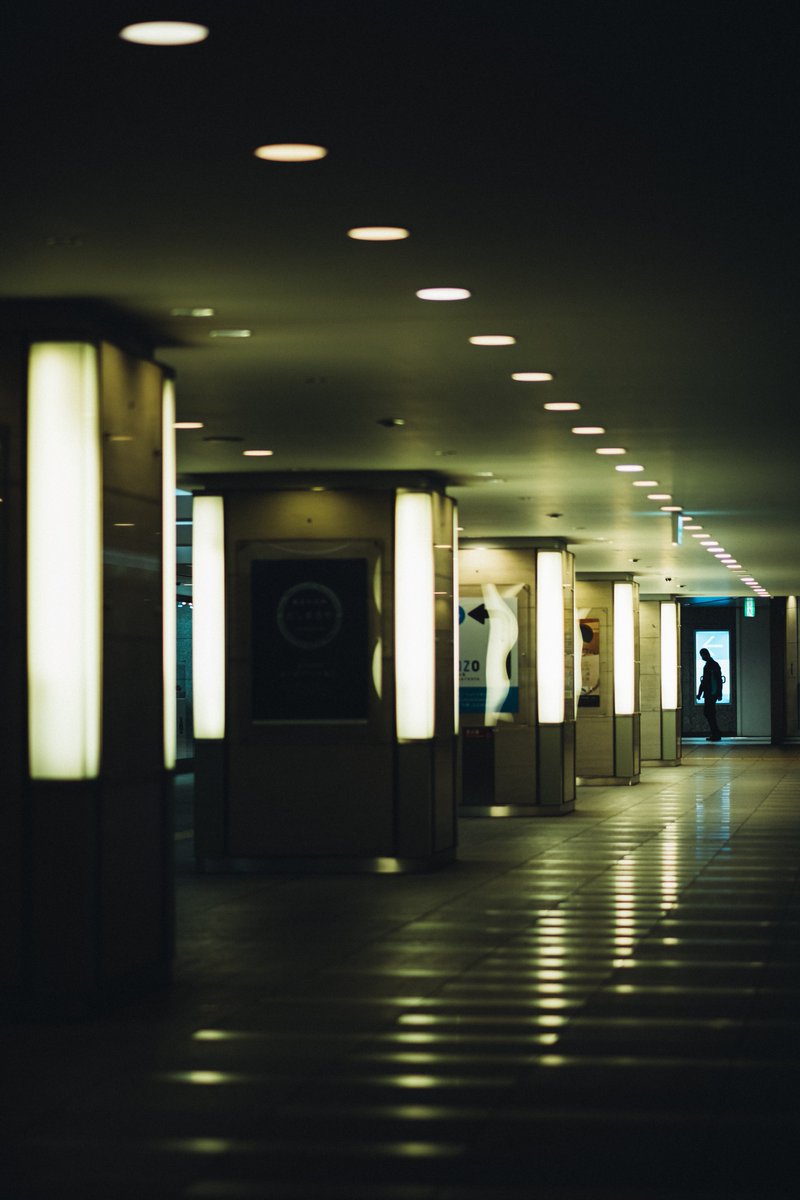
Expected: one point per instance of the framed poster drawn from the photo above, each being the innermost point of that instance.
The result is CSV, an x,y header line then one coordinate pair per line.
x,y
488,653
590,660
310,640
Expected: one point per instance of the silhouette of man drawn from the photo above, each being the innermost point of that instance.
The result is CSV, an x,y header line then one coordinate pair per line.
x,y
710,690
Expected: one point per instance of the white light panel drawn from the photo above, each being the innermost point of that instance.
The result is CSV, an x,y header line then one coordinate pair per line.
x,y
64,571
208,616
414,615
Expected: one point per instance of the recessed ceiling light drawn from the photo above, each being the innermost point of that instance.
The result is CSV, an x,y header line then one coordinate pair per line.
x,y
700,536
690,527
258,453
124,525
720,553
231,333
291,152
611,450
164,33
562,406
671,508
392,422
708,542
317,488
485,474
588,429
628,467
188,425
733,566
443,293
645,483
192,312
493,339
532,376
659,496
378,233
120,437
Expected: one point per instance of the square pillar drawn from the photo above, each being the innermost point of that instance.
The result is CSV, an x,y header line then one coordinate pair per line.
x,y
608,724
87,783
327,609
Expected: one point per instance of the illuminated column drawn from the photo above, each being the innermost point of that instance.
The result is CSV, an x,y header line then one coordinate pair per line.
x,y
670,681
169,555
608,734
659,640
94,684
555,678
626,697
208,617
517,640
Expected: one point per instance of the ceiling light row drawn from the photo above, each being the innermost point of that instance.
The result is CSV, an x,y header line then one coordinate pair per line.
x,y
713,547
182,33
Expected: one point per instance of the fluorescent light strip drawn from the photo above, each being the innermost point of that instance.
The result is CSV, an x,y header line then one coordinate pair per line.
x,y
169,572
64,509
550,654
208,616
623,650
456,629
669,655
414,629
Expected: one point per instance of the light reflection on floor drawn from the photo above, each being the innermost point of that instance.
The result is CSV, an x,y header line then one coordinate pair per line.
x,y
604,1008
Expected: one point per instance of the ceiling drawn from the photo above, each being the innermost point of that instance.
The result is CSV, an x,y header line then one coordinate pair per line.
x,y
613,183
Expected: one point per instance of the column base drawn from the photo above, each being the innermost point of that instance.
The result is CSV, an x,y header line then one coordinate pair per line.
x,y
517,810
607,780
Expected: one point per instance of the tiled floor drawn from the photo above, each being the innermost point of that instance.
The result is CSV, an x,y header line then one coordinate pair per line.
x,y
600,1007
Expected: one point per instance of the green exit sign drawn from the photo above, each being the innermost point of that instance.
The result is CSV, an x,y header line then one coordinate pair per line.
x,y
749,607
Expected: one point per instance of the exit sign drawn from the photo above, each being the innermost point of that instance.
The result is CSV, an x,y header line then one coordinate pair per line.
x,y
749,607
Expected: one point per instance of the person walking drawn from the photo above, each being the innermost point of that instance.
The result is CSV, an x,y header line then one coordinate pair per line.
x,y
710,690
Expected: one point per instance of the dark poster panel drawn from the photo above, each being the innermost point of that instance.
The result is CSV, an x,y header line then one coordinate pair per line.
x,y
310,644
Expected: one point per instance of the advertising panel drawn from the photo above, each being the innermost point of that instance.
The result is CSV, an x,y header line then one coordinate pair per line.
x,y
310,651
488,653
